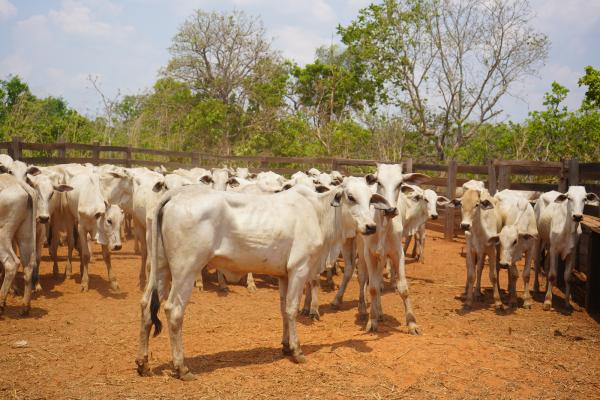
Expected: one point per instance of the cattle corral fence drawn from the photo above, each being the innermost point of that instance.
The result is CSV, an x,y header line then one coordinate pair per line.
x,y
446,178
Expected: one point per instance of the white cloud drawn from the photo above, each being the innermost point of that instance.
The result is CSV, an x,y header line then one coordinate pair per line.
x,y
15,64
568,17
298,44
7,9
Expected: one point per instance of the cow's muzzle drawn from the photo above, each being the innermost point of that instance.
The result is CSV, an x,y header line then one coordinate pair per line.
x,y
465,227
577,217
434,217
43,219
391,212
117,247
503,265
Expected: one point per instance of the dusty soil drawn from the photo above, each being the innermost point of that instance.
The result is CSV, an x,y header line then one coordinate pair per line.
x,y
83,345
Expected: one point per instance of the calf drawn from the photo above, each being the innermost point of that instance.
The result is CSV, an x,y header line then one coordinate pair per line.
x,y
517,237
481,218
290,239
558,217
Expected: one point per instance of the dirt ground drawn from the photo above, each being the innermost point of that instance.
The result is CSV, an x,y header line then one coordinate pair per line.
x,y
83,345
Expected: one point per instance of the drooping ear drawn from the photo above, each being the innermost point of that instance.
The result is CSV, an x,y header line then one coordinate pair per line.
x,y
455,203
486,204
206,179
561,197
415,178
494,240
251,175
592,199
159,186
526,235
379,202
371,179
62,188
287,186
337,199
33,170
233,182
115,174
321,189
442,201
405,189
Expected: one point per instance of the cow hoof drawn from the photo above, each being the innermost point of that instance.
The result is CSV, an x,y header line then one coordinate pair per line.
x,y
143,368
200,289
299,358
315,316
115,286
499,307
223,289
414,330
84,288
547,306
185,375
527,305
285,349
38,287
372,326
25,311
305,311
251,289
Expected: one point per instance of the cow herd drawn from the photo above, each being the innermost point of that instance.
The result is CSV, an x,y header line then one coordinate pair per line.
x,y
240,223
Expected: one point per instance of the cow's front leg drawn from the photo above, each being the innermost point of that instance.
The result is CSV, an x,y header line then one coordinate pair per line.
x,y
85,259
493,278
480,262
402,287
114,285
471,271
222,282
285,339
250,285
513,276
550,277
567,276
375,278
526,275
348,253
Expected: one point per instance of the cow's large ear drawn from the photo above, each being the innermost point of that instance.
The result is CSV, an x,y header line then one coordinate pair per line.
x,y
63,188
33,170
233,182
592,199
415,179
494,240
321,189
371,179
287,186
115,174
405,189
526,235
486,204
379,202
158,186
207,179
455,203
442,201
252,175
29,180
561,197
337,199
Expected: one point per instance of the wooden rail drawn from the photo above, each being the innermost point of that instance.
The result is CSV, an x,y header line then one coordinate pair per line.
x,y
498,174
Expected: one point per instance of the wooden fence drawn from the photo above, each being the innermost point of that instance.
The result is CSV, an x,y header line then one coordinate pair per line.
x,y
499,174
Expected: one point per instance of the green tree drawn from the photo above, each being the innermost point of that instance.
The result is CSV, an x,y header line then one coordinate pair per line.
x,y
591,79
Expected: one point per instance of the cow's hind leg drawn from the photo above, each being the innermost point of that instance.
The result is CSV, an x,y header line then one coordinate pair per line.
x,y
348,254
10,262
526,275
181,289
85,259
296,280
550,278
222,282
285,339
250,285
402,288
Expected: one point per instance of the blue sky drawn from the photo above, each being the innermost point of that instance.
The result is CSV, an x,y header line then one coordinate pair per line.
x,y
55,45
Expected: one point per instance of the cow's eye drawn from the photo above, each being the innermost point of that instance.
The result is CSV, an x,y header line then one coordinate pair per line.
x,y
351,198
515,242
109,221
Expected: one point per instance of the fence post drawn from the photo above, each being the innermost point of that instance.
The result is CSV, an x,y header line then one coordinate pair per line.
x,y
503,177
451,193
96,153
128,157
62,150
573,172
408,163
195,159
563,176
264,164
15,148
492,180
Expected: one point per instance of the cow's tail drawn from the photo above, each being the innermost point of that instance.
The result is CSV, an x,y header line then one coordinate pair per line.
x,y
154,265
35,274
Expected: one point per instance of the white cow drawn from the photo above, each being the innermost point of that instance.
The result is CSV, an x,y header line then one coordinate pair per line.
x,y
288,239
17,213
517,237
481,218
432,201
387,243
558,217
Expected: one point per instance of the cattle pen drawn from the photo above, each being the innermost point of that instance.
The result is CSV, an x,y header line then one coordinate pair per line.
x,y
82,345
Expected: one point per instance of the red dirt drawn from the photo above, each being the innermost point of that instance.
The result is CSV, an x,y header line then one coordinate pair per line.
x,y
83,345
